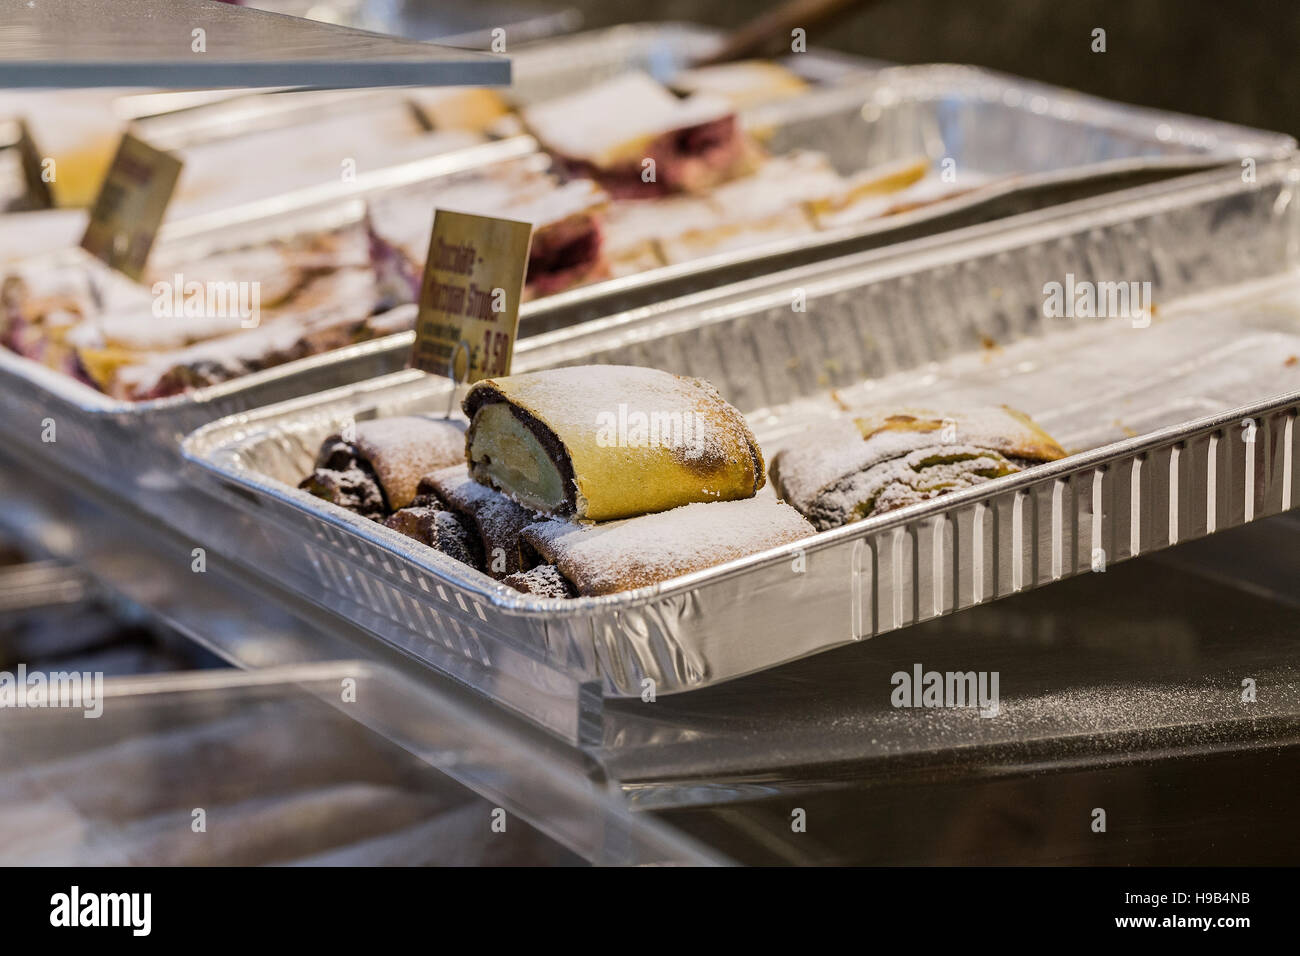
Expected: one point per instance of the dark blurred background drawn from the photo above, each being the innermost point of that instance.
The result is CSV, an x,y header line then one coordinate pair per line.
x,y
1232,61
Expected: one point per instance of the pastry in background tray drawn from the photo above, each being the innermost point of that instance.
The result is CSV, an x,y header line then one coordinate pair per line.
x,y
855,468
459,107
742,83
261,305
329,311
566,247
377,469
887,190
610,131
786,196
601,442
769,204
621,555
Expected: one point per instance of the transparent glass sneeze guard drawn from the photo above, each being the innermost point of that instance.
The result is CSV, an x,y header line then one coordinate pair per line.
x,y
240,768
959,318
158,43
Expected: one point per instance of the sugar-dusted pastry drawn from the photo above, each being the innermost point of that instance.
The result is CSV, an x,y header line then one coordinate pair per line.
x,y
601,442
743,83
622,555
638,139
351,485
880,460
545,580
459,107
393,452
873,192
566,246
435,527
495,519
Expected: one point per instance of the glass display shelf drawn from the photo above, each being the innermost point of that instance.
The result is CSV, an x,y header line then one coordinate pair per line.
x,y
206,43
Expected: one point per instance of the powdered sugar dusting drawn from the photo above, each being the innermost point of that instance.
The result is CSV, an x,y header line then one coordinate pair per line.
x,y
621,555
599,123
498,519
821,458
403,449
906,480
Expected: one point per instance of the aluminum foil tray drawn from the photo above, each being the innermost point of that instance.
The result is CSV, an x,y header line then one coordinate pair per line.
x,y
130,448
558,65
1176,430
991,125
128,445
540,69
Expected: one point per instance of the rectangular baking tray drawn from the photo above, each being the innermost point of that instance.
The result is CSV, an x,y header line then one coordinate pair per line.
x,y
1176,431
541,68
131,447
987,122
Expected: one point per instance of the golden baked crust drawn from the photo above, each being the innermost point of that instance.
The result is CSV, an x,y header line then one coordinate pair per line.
x,y
627,440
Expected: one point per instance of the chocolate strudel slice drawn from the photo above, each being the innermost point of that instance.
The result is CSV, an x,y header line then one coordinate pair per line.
x,y
378,470
602,442
495,519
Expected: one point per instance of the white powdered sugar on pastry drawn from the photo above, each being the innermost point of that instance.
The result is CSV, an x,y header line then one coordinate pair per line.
x,y
779,183
921,474
521,193
496,518
622,555
834,472
610,122
403,449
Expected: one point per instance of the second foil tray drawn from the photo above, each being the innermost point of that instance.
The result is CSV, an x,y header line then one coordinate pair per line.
x,y
1178,427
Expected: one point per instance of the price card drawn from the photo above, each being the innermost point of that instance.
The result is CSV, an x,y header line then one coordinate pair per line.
x,y
35,176
469,300
131,204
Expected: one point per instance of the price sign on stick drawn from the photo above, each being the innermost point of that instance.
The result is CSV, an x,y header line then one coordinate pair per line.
x,y
131,204
469,300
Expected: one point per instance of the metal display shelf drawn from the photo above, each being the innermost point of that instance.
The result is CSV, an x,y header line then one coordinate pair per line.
x,y
249,622
1124,683
81,43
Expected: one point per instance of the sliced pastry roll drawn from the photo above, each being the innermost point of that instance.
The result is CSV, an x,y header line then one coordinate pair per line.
x,y
379,469
622,555
602,442
433,525
495,520
545,580
881,460
638,139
